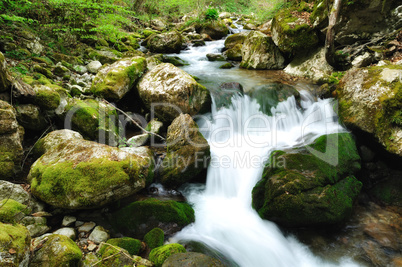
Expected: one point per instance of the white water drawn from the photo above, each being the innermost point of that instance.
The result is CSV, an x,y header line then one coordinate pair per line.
x,y
241,139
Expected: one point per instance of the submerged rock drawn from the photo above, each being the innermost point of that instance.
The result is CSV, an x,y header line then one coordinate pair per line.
x,y
168,91
370,99
114,81
74,173
188,152
310,186
140,217
170,42
259,52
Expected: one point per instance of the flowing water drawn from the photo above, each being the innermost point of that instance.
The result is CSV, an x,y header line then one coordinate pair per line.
x,y
241,139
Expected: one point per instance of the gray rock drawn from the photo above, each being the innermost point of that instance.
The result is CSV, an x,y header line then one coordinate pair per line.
x,y
362,60
30,117
99,235
36,230
191,259
215,57
68,221
94,66
138,140
170,42
80,69
66,231
87,227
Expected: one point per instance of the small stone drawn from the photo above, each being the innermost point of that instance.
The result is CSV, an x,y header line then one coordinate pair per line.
x,y
94,66
138,140
92,247
66,231
86,227
78,223
68,221
362,61
381,63
99,235
36,230
80,69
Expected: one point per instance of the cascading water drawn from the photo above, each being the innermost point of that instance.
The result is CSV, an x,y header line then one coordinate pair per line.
x,y
241,139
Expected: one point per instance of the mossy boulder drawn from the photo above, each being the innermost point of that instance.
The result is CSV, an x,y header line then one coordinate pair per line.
x,y
259,52
370,99
31,117
11,151
216,29
169,91
4,77
160,254
14,245
269,95
310,186
132,245
111,255
293,33
170,42
312,65
105,55
57,250
234,53
93,119
191,259
74,173
48,96
235,39
114,81
188,152
139,217
154,238
11,211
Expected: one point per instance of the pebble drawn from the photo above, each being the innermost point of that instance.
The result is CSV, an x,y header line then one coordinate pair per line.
x,y
99,235
68,221
86,227
66,231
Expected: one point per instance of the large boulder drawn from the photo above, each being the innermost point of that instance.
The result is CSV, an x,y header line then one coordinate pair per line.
x,y
188,152
310,186
56,250
14,245
169,91
292,33
93,119
4,77
259,52
216,29
139,217
170,42
234,53
48,96
311,65
235,39
11,151
191,259
114,81
74,173
370,99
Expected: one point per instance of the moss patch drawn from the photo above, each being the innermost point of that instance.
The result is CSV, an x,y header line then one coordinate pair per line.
x,y
154,238
132,245
11,209
160,254
14,237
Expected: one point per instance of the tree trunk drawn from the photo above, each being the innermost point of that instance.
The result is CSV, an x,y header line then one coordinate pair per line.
x,y
330,39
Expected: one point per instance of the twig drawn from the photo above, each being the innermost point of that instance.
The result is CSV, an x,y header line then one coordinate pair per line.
x,y
136,123
120,250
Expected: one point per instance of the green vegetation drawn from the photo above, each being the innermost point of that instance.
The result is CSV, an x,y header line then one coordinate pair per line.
x,y
154,238
160,254
132,245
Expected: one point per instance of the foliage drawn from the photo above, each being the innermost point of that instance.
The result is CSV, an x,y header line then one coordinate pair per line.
x,y
211,14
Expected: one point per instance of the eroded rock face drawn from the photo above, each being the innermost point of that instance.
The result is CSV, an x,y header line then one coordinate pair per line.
x,y
170,42
11,151
188,152
169,91
114,81
259,52
74,173
310,186
370,99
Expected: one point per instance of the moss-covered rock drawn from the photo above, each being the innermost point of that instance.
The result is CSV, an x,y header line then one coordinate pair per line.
x,y
235,39
191,259
188,152
227,65
12,210
31,117
234,53
310,186
114,81
14,245
57,250
160,254
154,238
93,119
260,52
216,29
79,174
174,91
111,255
292,33
370,99
4,81
48,96
105,55
170,42
140,217
132,245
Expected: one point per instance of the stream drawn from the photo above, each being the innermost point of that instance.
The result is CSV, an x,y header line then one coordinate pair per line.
x,y
241,138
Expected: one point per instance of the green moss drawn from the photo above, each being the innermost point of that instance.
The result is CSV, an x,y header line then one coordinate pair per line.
x,y
14,237
152,212
160,254
113,256
10,209
226,66
47,98
133,246
154,238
